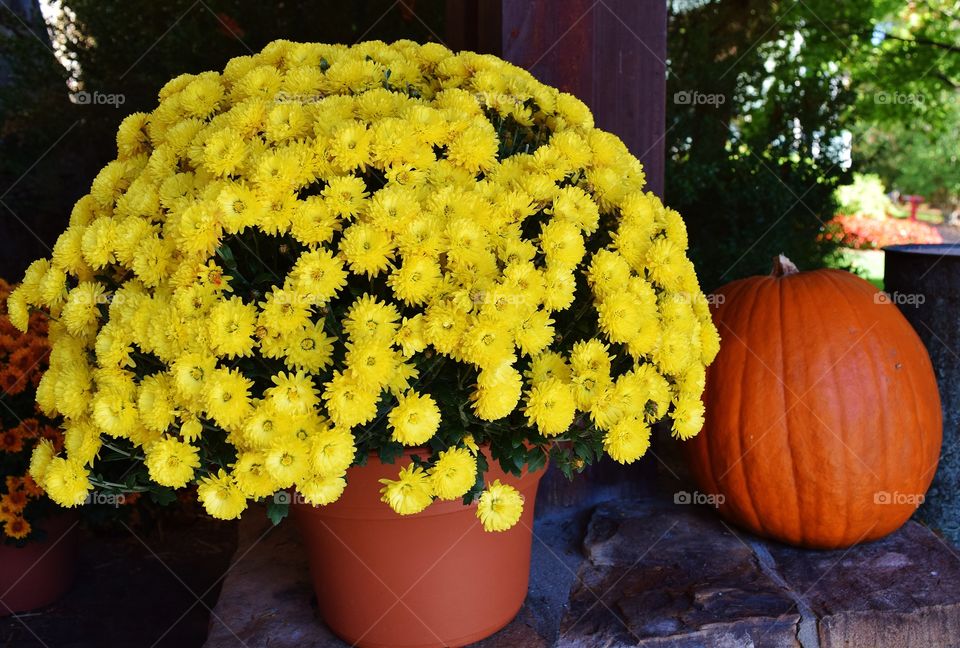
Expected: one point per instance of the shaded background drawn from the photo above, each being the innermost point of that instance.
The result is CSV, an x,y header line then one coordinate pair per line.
x,y
809,91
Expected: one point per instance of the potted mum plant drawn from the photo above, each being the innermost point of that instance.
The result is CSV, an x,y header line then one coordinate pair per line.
x,y
386,283
37,542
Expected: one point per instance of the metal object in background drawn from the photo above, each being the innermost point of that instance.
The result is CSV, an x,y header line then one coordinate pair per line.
x,y
924,282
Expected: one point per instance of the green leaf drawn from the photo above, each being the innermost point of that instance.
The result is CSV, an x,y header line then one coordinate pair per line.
x,y
278,508
536,459
225,253
163,496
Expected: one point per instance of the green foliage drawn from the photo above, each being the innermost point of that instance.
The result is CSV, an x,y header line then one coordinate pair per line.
x,y
788,82
914,158
129,49
753,171
746,210
866,196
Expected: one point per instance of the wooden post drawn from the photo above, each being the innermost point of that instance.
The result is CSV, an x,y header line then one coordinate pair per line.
x,y
609,53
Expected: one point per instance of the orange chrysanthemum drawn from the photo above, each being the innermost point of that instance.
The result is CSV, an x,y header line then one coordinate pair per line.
x,y
17,528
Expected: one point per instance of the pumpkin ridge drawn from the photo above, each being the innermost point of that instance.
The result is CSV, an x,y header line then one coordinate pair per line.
x,y
820,327
837,287
708,447
782,295
746,314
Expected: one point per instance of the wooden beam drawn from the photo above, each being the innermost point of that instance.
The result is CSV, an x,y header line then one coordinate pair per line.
x,y
609,53
474,25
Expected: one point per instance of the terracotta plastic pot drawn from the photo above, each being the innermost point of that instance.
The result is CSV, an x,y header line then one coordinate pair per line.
x,y
431,579
39,573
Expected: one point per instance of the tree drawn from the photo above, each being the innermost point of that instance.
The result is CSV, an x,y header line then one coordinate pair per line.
x,y
766,95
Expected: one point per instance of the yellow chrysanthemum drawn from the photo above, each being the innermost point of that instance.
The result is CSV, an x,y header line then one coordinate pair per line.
x,y
499,507
332,451
280,250
414,419
369,318
231,327
319,274
221,496
372,363
367,249
551,406
227,397
320,490
416,279
292,393
287,461
172,462
67,482
410,493
627,440
453,474
251,474
349,403
497,393
43,454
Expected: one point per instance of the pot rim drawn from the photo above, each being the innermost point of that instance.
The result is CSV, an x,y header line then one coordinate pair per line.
x,y
377,510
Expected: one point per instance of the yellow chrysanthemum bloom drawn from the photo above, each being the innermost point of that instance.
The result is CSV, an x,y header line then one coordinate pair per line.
x,y
414,419
332,451
286,257
172,462
320,490
551,406
221,496
67,481
453,474
410,493
627,440
500,507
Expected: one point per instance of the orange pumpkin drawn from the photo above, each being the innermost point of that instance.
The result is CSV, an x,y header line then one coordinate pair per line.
x,y
823,423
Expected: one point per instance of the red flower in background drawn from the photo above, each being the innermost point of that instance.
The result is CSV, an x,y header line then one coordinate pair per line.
x,y
863,233
229,26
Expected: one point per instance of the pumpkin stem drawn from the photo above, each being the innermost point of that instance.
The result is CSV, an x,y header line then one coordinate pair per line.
x,y
783,267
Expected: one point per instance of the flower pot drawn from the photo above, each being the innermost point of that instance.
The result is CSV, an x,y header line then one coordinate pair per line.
x,y
435,578
38,573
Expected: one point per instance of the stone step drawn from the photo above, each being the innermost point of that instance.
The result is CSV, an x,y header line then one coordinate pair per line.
x,y
653,574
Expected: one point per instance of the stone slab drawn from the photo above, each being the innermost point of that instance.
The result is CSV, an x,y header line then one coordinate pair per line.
x,y
900,592
658,574
652,574
267,598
